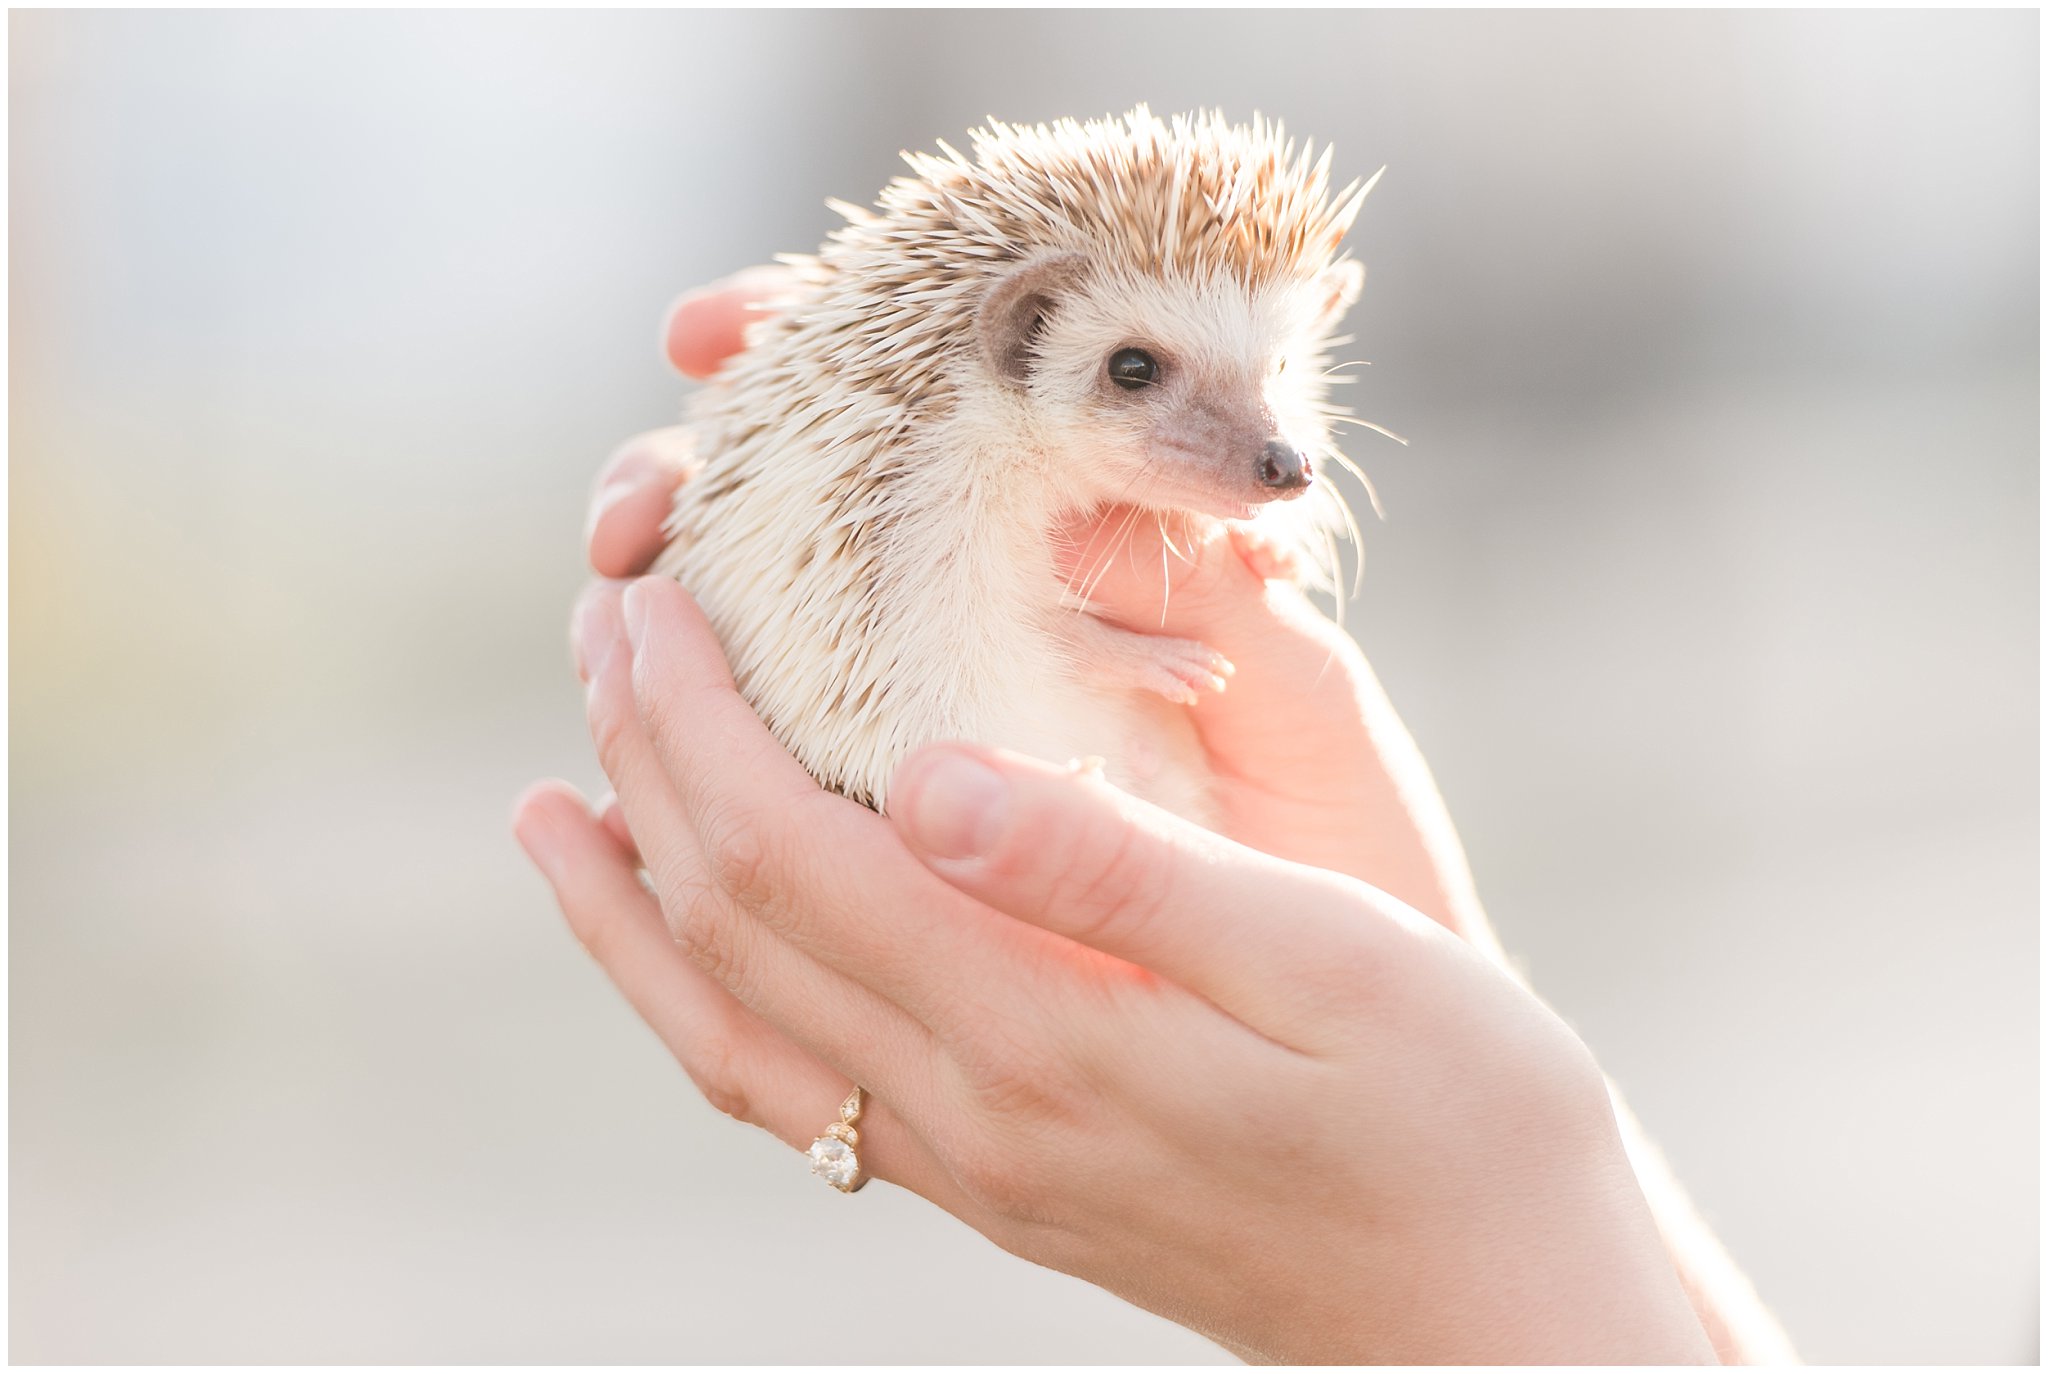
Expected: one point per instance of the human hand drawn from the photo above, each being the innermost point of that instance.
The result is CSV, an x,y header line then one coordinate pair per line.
x,y
1260,1098
1310,761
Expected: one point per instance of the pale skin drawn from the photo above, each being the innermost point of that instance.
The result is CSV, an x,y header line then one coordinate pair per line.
x,y
1275,1084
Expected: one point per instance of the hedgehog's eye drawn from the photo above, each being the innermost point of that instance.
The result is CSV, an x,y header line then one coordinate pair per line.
x,y
1131,368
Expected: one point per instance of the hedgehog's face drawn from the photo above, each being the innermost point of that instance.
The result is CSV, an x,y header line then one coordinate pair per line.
x,y
1167,393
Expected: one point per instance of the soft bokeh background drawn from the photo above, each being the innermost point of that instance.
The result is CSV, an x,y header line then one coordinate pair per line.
x,y
1709,586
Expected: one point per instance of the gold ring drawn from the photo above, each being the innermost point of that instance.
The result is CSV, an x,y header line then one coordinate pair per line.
x,y
835,1155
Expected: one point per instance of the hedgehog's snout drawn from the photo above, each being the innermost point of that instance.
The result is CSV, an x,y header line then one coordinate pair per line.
x,y
1284,469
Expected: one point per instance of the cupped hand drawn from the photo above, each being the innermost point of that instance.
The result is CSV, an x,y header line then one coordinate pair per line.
x,y
1258,1097
1311,762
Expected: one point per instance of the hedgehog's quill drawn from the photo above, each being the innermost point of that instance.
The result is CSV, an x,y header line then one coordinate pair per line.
x,y
1119,312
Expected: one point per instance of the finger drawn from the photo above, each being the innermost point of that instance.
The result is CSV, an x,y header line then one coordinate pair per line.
x,y
1302,700
827,875
741,1065
1192,581
1194,578
846,1024
618,922
1065,851
614,822
632,499
708,325
1270,558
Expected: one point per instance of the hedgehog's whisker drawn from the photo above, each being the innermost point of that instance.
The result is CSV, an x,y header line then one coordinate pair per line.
x,y
1336,587
1122,538
1357,538
1328,658
1100,568
1129,529
1078,577
1351,530
1166,536
1372,493
1367,424
1165,573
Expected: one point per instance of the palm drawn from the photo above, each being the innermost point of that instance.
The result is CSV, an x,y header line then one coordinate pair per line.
x,y
1311,762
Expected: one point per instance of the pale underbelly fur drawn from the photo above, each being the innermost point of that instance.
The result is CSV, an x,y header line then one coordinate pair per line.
x,y
1146,745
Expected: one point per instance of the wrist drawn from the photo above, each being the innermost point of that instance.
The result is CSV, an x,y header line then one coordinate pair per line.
x,y
1571,1272
1533,1243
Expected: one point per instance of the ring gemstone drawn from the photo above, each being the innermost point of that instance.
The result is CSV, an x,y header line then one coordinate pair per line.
x,y
833,1160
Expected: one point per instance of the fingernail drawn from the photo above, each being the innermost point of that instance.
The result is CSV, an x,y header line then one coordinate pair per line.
x,y
958,808
634,608
759,280
536,835
759,277
633,474
635,464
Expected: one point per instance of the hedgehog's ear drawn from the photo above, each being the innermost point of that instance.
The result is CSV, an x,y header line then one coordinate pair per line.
x,y
1014,311
1341,282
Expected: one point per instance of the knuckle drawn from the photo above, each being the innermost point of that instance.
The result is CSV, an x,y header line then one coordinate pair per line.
x,y
611,726
1006,1182
700,921
713,1067
1015,1095
709,938
690,906
656,705
1350,989
720,956
1112,881
595,930
1028,1131
737,854
1015,1082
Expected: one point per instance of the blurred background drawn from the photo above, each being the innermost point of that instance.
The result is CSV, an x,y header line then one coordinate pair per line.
x,y
1709,585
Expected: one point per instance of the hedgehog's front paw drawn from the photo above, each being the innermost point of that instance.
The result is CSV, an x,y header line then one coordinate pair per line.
x,y
1178,669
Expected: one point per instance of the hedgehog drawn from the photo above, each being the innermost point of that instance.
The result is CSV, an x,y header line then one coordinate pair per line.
x,y
1127,313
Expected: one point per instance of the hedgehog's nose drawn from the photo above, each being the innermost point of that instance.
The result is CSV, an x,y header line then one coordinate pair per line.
x,y
1283,467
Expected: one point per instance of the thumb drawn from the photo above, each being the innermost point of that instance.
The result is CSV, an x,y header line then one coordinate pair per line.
x,y
706,326
1196,580
1188,576
1062,849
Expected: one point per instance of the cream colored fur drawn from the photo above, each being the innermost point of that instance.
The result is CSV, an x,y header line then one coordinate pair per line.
x,y
869,531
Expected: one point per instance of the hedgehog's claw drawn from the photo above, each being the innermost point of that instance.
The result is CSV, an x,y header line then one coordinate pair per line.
x,y
1178,669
